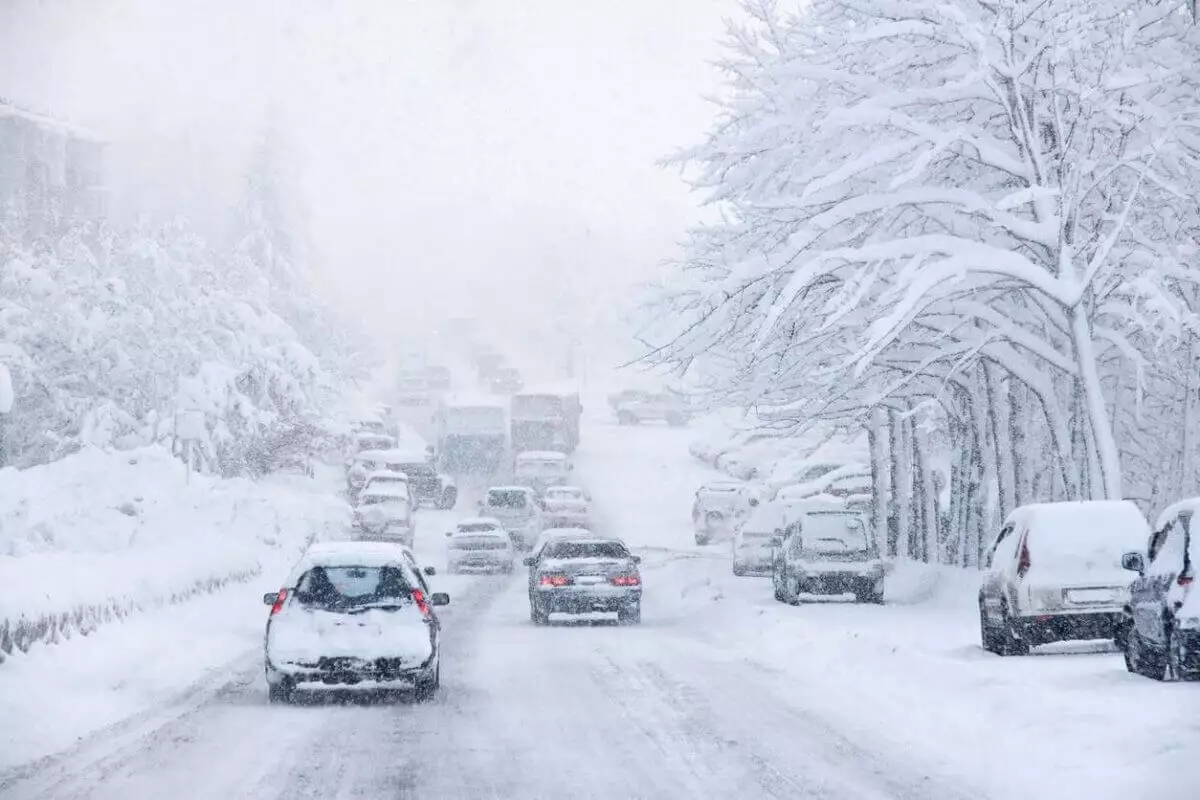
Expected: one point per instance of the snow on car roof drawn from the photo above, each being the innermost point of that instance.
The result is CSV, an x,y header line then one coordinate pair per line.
x,y
475,401
395,455
509,489
480,521
541,455
1082,530
563,490
387,474
1188,505
349,554
386,490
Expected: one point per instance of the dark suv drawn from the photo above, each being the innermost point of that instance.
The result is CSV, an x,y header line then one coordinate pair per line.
x,y
1159,631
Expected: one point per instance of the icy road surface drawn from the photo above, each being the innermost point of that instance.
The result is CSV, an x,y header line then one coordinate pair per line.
x,y
720,693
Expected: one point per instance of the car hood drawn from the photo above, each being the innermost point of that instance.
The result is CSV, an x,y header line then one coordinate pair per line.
x,y
567,505
302,636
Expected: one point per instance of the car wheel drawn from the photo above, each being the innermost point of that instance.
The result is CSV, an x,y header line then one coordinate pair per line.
x,y
627,418
1011,642
987,632
426,689
777,586
449,498
279,693
1173,659
675,421
630,615
701,539
536,615
738,572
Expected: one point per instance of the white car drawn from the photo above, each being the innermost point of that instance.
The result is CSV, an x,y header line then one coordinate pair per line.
x,y
385,513
479,543
518,509
565,506
752,544
353,615
1054,573
541,469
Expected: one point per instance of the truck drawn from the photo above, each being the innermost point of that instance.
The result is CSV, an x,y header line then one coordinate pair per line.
x,y
472,434
546,420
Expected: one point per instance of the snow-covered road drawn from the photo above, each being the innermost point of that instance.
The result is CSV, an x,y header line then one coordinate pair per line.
x,y
719,693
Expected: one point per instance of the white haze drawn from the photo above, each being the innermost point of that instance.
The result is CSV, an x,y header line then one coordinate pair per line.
x,y
491,158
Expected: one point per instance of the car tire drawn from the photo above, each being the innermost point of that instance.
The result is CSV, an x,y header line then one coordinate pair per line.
x,y
280,693
675,421
701,540
1011,642
987,632
630,615
775,585
739,572
448,499
537,615
425,690
627,418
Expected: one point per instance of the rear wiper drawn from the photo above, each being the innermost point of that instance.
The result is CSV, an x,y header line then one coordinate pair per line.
x,y
384,605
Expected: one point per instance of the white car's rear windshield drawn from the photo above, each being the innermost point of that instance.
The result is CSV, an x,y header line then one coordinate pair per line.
x,y
475,527
831,533
347,588
1086,539
569,550
503,498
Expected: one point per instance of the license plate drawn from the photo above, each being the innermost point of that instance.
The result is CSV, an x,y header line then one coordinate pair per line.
x,y
588,580
1091,595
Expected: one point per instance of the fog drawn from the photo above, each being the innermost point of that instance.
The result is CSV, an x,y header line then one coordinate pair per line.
x,y
461,157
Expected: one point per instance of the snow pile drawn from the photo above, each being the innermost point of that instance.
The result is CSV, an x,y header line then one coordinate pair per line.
x,y
98,536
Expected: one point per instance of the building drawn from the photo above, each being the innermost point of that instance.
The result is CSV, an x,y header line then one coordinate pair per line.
x,y
50,172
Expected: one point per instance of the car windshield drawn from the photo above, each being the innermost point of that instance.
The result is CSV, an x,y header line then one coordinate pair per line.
x,y
333,588
417,470
476,527
507,498
575,550
382,500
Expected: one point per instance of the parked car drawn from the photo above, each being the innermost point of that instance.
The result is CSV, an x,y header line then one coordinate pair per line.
x,y
479,543
1159,630
753,547
385,513
578,576
353,615
719,509
829,550
830,478
564,506
541,469
636,407
518,509
1054,573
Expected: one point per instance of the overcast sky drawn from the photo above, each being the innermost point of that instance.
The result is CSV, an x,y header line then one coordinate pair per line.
x,y
448,152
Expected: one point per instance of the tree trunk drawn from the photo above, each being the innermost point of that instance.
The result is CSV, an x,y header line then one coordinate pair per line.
x,y
893,521
880,479
1106,457
997,407
903,482
1017,419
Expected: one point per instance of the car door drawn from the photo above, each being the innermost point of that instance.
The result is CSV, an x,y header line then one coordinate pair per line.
x,y
995,565
1148,594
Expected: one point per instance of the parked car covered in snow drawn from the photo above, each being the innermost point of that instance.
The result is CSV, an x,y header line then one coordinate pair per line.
x,y
1054,573
480,543
753,547
565,506
1159,630
385,513
829,478
353,615
719,509
541,469
829,550
634,407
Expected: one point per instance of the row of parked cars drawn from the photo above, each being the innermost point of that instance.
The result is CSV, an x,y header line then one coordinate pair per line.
x,y
1053,572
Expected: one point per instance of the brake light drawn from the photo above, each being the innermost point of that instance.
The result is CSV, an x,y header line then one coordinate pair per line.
x,y
282,596
1024,562
1184,579
626,580
419,597
554,580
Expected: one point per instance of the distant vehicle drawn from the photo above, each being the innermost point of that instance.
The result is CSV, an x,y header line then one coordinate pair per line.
x,y
371,425
828,551
438,378
753,548
412,389
486,363
506,380
518,509
480,543
1054,573
387,480
579,576
546,420
565,506
831,478
719,509
385,514
373,441
634,407
353,615
472,434
1159,631
426,485
541,469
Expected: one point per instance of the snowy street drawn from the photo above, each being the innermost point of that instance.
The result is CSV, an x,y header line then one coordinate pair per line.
x,y
721,692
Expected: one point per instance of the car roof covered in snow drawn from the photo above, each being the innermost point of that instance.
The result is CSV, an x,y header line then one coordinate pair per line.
x,y
396,455
387,475
1053,515
564,490
1099,530
722,486
1190,505
525,489
349,554
386,490
478,522
541,455
475,401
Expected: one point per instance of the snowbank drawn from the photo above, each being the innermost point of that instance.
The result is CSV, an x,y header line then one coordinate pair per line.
x,y
98,536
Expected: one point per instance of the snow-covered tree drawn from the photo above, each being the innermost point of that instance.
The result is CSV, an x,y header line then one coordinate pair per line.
x,y
964,212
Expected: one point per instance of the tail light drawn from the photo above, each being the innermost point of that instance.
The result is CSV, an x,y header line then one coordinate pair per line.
x,y
626,580
422,603
279,600
1023,561
1185,579
554,580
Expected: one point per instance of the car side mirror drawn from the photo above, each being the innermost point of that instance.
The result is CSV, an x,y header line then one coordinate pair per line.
x,y
431,571
1133,562
439,599
636,559
270,598
529,561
